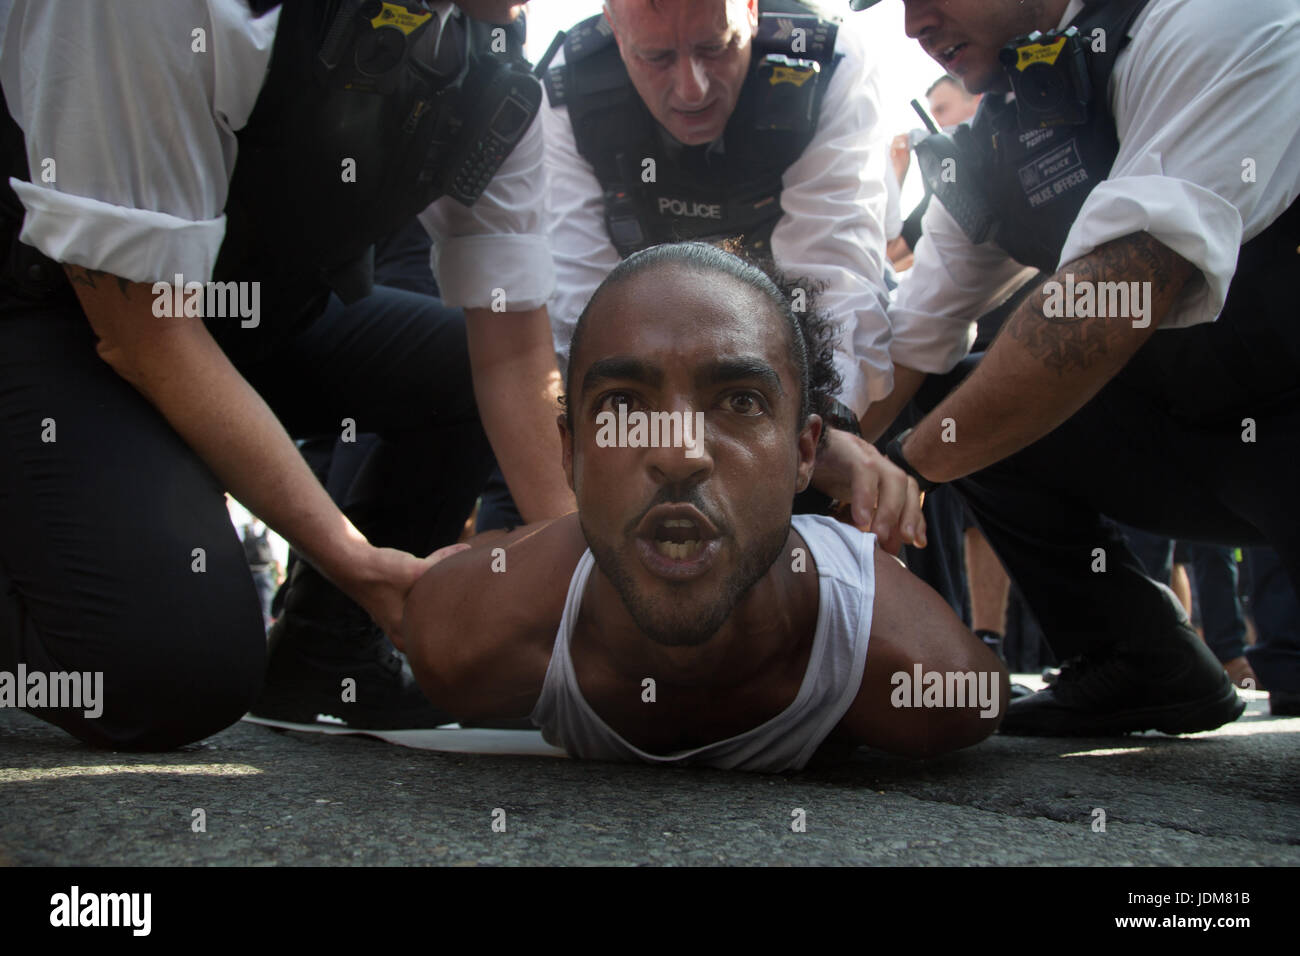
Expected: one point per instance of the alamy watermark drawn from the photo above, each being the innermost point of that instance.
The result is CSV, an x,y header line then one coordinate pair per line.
x,y
82,690
651,430
209,300
1086,299
946,689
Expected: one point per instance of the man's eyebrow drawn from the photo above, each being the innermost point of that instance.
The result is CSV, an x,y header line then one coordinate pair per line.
x,y
741,368
621,368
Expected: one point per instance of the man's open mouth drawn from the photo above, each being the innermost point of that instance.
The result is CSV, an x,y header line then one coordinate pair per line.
x,y
677,541
949,53
678,538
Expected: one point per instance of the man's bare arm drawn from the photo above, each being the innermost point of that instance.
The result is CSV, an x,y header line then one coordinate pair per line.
x,y
516,384
479,627
1042,370
179,368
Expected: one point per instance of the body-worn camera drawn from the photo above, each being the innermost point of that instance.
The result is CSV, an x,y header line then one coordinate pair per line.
x,y
1049,75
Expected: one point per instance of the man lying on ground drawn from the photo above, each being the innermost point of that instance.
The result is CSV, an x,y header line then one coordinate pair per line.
x,y
701,622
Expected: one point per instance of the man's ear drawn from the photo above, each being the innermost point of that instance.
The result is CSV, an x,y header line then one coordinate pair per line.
x,y
751,12
809,439
609,18
566,449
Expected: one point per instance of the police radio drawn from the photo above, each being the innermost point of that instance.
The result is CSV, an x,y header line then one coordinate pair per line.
x,y
939,157
1049,75
786,94
479,93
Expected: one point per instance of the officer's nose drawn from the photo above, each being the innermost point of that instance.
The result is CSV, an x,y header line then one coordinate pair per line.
x,y
920,16
692,81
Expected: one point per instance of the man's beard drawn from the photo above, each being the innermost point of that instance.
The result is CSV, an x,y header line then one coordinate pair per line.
x,y
669,622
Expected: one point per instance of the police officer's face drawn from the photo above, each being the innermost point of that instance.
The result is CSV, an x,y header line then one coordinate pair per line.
x,y
687,59
964,36
949,105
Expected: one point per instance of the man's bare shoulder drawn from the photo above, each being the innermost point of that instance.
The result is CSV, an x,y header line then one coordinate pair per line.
x,y
480,625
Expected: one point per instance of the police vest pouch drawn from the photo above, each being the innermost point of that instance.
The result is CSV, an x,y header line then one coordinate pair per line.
x,y
785,90
1049,75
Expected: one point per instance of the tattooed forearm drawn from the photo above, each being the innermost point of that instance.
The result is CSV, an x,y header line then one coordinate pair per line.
x,y
1095,305
90,278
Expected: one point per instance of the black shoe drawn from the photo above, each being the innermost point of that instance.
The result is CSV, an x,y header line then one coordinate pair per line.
x,y
1284,703
319,643
1020,690
1171,684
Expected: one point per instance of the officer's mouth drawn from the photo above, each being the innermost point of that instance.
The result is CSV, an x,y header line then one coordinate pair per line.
x,y
948,56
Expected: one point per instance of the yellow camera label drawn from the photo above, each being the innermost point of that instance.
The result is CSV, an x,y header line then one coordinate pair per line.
x,y
1039,53
797,75
393,15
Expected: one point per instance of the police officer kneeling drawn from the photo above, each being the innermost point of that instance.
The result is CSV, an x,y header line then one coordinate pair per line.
x,y
1148,161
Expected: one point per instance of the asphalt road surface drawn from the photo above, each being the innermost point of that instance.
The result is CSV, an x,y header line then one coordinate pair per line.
x,y
1229,797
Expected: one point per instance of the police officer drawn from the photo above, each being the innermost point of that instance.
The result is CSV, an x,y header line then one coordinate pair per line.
x,y
731,119
1149,146
157,146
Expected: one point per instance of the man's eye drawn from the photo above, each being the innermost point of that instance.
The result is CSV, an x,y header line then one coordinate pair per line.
x,y
611,402
744,403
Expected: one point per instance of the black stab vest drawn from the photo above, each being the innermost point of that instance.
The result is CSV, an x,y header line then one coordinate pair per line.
x,y
698,192
1245,362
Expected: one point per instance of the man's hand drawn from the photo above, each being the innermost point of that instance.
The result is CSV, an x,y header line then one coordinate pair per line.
x,y
878,495
383,584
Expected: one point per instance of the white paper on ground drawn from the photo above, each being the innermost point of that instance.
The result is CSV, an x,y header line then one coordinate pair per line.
x,y
450,739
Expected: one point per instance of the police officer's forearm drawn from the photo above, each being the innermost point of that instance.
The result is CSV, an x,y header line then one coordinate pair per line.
x,y
517,386
1049,360
881,414
178,367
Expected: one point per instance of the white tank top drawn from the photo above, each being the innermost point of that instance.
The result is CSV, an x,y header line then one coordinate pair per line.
x,y
846,589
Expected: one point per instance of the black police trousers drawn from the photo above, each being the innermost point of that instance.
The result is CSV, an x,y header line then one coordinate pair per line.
x,y
103,507
1126,456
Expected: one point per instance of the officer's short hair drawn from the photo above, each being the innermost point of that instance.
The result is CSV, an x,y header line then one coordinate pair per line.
x,y
811,333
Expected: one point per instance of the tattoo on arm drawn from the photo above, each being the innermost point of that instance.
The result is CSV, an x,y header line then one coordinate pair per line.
x,y
90,278
1071,343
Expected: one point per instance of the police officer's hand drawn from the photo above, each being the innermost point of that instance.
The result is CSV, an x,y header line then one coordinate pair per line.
x,y
386,579
875,494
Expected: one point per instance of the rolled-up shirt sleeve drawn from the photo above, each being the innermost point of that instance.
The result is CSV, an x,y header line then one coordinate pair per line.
x,y
1208,118
832,228
128,113
496,250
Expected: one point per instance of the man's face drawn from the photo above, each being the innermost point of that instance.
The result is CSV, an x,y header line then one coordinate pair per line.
x,y
687,59
682,538
964,36
950,106
492,11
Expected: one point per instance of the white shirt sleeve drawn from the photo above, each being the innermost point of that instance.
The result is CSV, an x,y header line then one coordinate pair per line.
x,y
129,112
950,285
1207,105
498,246
832,230
575,212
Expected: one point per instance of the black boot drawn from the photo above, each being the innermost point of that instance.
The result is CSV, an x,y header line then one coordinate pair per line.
x,y
1170,683
320,642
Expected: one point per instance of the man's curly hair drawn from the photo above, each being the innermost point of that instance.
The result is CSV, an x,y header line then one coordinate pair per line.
x,y
811,335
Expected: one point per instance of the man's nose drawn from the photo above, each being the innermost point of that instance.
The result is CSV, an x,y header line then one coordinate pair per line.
x,y
682,456
920,16
692,80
